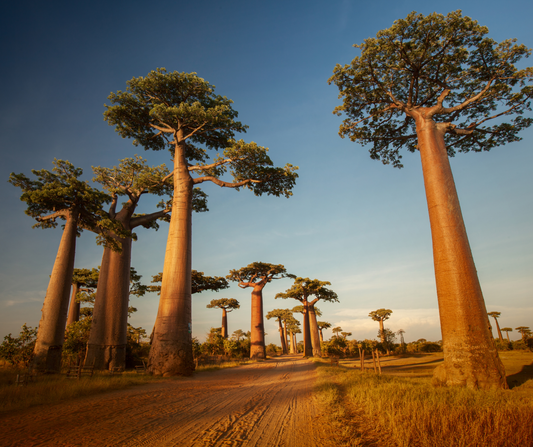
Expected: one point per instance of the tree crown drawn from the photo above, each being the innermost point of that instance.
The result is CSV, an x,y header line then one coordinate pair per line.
x,y
303,288
380,314
443,66
258,273
199,282
224,303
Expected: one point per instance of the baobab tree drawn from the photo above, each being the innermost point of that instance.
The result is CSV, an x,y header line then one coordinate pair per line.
x,y
436,84
293,326
345,334
525,332
400,333
337,330
227,305
83,280
302,290
58,195
380,316
507,330
131,179
182,113
257,275
281,315
313,327
496,315
322,325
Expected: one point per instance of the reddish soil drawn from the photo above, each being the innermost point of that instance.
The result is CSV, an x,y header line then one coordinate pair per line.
x,y
263,404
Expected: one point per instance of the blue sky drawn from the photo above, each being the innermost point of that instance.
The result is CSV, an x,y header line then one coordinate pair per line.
x,y
352,221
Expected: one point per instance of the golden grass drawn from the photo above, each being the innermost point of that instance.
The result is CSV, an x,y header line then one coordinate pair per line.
x,y
54,388
390,410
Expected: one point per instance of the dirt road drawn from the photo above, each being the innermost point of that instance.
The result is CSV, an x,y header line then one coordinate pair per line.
x,y
263,404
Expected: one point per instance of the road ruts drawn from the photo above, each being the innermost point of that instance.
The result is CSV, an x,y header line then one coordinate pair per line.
x,y
263,404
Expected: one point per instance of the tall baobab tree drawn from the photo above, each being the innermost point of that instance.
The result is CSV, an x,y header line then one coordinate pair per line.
x,y
496,315
182,113
437,84
313,327
257,275
293,326
302,290
83,280
400,333
321,326
131,179
337,330
507,330
524,332
227,305
58,195
380,316
280,315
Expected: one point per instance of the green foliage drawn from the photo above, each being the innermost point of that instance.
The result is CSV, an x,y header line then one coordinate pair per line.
x,y
388,339
272,349
76,338
303,288
19,350
199,282
181,112
257,272
55,193
335,347
380,314
422,62
224,303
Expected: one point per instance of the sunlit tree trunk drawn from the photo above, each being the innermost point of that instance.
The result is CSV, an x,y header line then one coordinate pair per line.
x,y
470,356
106,348
51,333
171,351
308,348
74,307
224,331
257,348
313,328
282,338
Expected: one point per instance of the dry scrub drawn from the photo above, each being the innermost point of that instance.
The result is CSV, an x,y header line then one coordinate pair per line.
x,y
410,412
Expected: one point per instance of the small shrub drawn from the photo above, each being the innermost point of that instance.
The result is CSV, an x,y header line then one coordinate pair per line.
x,y
19,351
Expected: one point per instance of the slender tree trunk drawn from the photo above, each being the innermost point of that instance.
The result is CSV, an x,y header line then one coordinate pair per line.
x,y
74,307
308,348
106,348
294,343
315,337
282,337
257,348
509,341
470,356
499,331
171,351
321,335
285,335
51,333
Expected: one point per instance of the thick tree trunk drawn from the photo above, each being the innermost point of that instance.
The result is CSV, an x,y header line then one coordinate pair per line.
x,y
470,356
171,351
286,335
381,331
257,348
315,337
294,344
74,307
308,347
51,333
106,348
282,338
224,323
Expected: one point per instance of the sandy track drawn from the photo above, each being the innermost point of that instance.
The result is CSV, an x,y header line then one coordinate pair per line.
x,y
262,404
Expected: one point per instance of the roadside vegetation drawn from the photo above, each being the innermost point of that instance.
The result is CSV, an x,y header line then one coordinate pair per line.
x,y
402,408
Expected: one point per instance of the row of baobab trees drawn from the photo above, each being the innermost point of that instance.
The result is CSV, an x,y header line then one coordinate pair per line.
x,y
432,84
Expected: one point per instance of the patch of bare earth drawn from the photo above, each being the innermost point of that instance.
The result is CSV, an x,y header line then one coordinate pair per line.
x,y
262,404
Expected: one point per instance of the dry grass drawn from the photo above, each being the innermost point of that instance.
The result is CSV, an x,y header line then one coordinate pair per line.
x,y
403,409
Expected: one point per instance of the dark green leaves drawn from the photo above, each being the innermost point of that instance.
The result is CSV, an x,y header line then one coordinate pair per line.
x,y
444,65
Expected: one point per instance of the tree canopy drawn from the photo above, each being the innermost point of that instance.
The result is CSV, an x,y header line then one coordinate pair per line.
x,y
199,282
444,65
